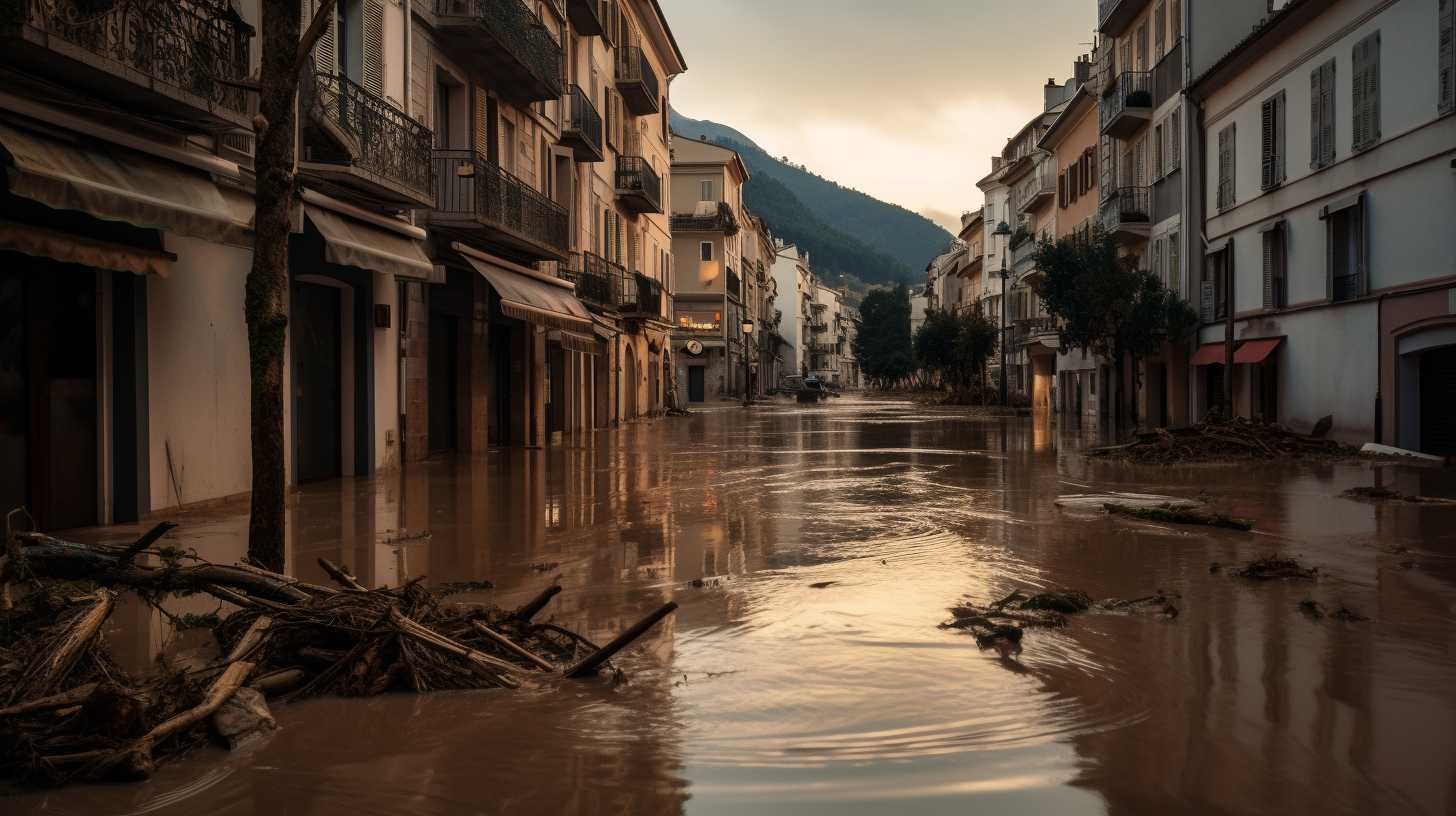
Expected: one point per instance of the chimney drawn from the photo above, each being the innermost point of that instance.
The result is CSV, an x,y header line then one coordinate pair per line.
x,y
1082,72
996,162
1051,94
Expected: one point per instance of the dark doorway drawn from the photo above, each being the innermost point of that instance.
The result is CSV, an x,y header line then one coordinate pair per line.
x,y
444,339
629,386
1269,390
555,388
697,384
1213,387
48,391
317,386
500,392
1438,401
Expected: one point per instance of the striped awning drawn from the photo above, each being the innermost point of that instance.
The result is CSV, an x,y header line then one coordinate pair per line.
x,y
571,341
537,299
350,242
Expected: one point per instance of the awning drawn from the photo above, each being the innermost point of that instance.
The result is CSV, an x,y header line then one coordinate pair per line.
x,y
116,184
571,341
545,302
1210,354
348,242
68,247
1254,352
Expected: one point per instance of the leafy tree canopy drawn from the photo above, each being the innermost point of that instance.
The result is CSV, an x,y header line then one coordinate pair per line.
x,y
883,344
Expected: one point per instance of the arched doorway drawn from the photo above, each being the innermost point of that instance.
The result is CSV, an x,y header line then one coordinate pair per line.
x,y
629,384
653,404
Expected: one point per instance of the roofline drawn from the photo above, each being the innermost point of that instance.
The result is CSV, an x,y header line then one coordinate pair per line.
x,y
737,159
1277,28
682,63
1052,137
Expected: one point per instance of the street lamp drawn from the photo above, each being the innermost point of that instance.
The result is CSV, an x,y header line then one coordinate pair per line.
x,y
747,336
1003,230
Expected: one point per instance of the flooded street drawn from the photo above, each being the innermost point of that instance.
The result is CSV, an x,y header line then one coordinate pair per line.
x,y
807,673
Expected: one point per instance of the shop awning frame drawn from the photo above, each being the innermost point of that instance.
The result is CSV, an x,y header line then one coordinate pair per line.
x,y
530,296
350,242
1210,354
1254,352
66,247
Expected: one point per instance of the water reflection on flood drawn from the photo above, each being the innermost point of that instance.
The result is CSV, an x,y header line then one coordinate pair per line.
x,y
765,693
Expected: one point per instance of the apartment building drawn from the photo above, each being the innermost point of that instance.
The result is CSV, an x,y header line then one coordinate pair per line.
x,y
794,284
444,164
709,305
1326,146
1072,142
826,342
849,323
972,270
759,252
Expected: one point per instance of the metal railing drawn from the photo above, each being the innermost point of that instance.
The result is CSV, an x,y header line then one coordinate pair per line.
x,y
644,297
582,119
635,176
599,282
391,144
1127,205
194,45
587,16
1168,74
634,69
1043,181
1134,90
722,221
735,284
517,31
469,185
1029,327
1348,287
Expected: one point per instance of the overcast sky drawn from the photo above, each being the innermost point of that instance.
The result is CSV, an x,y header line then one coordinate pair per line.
x,y
905,100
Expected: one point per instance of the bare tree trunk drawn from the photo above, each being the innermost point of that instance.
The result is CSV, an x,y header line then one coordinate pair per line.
x,y
284,56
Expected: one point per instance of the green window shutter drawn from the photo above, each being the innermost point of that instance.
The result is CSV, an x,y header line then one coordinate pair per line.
x,y
373,73
1269,261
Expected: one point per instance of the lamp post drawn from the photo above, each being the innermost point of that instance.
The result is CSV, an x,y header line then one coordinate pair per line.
x,y
1003,230
747,336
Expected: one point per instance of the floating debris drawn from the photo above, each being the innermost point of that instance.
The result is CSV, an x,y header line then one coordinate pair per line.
x,y
1374,494
1273,568
823,585
1223,440
1180,515
992,624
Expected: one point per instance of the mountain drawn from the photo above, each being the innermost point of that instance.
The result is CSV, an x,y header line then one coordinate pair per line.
x,y
845,231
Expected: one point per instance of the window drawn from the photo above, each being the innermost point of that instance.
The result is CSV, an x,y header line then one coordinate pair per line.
x,y
1160,27
1175,273
1142,47
706,193
1175,141
1365,92
1345,223
1273,149
1446,71
1322,116
1175,17
1275,268
705,250
711,321
1212,304
1158,151
1226,143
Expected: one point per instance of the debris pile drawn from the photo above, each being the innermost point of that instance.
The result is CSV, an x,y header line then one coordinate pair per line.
x,y
1223,440
1273,568
1314,610
1374,494
68,712
1175,514
1000,625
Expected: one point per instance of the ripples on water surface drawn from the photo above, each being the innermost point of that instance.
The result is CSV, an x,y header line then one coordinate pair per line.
x,y
765,694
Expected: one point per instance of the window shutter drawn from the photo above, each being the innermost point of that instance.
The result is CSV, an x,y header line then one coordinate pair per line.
x,y
1446,75
1107,164
1365,91
1175,140
1160,26
373,73
1226,167
1206,310
325,53
1280,136
1269,260
1175,281
482,125
1267,115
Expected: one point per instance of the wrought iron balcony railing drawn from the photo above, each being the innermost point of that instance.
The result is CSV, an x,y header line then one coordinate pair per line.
x,y
582,128
723,221
1129,105
1168,74
384,146
599,282
1348,287
1114,16
472,189
1127,207
637,81
186,56
638,185
1038,188
644,298
1030,327
518,51
588,17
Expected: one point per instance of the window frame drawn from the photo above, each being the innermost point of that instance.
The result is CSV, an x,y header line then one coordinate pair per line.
x,y
1274,142
1274,240
1355,210
705,251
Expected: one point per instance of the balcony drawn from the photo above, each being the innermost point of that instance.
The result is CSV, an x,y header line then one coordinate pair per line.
x,y
1034,329
503,40
478,197
359,144
636,81
723,221
599,282
1126,215
638,186
167,58
1168,75
1114,16
1038,190
1128,106
818,326
588,17
582,129
644,299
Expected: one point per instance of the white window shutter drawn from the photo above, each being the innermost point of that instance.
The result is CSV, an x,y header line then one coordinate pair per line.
x,y
373,47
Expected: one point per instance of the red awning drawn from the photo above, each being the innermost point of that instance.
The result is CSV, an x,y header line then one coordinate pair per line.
x,y
1254,352
1209,354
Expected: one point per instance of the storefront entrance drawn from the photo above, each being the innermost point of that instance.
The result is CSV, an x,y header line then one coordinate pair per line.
x,y
317,381
1438,401
697,384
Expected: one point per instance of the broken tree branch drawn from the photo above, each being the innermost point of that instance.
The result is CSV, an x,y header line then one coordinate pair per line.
x,y
341,575
595,660
540,662
538,603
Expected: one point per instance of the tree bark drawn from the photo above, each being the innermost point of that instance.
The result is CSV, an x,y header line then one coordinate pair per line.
x,y
284,54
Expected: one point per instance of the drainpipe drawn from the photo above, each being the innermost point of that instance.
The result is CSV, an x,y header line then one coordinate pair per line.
x,y
1380,369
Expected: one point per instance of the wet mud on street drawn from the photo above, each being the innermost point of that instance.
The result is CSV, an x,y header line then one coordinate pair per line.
x,y
814,551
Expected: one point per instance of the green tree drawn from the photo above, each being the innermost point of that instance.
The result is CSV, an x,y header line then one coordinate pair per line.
x,y
883,346
955,348
1108,307
935,342
975,343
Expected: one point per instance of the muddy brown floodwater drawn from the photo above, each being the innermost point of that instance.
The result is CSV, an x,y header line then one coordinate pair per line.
x,y
765,694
